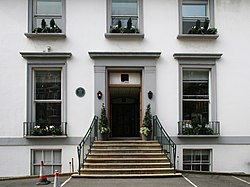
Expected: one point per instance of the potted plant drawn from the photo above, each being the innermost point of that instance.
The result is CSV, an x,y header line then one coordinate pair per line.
x,y
197,29
120,29
45,29
103,128
146,129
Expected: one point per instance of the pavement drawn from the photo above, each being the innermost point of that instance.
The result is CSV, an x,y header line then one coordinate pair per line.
x,y
187,180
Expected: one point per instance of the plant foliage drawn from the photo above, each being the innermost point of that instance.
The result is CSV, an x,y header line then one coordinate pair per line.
x,y
120,29
103,121
53,28
147,122
197,29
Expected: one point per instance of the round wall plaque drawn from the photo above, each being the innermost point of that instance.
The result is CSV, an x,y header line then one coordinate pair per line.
x,y
80,92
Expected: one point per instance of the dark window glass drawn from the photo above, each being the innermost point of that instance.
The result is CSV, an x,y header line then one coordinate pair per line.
x,y
47,85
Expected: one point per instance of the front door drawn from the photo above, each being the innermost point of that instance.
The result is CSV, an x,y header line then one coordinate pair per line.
x,y
125,112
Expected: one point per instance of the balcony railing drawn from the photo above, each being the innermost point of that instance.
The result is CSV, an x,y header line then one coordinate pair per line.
x,y
189,128
44,129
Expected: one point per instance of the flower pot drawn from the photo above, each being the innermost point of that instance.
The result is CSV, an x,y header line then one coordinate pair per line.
x,y
146,138
103,136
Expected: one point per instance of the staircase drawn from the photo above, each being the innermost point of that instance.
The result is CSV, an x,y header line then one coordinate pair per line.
x,y
126,158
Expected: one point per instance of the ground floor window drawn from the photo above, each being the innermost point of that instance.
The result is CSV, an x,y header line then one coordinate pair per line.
x,y
197,159
52,161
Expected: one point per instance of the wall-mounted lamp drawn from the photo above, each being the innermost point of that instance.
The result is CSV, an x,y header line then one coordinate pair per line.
x,y
150,95
99,94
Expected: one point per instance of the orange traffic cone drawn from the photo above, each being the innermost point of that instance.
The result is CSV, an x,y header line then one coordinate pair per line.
x,y
56,179
42,179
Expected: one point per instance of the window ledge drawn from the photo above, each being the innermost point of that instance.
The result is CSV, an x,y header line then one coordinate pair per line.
x,y
198,36
124,35
199,136
46,137
45,35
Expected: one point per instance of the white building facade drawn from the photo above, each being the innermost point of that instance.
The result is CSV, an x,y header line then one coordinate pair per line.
x,y
51,74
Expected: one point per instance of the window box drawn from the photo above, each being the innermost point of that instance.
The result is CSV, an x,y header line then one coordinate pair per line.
x,y
188,128
35,130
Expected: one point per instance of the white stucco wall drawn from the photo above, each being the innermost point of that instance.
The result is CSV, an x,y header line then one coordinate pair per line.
x,y
85,28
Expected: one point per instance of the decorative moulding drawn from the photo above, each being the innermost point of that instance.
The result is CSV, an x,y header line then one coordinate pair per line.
x,y
197,55
104,54
46,54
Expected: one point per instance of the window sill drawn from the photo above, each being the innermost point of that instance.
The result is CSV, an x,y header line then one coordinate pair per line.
x,y
45,35
124,36
199,136
198,36
46,137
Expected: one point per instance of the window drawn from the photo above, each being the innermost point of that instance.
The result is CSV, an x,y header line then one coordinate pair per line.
x,y
52,161
197,159
195,96
46,100
193,10
120,11
47,96
197,88
47,10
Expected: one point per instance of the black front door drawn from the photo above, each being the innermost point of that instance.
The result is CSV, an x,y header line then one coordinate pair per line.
x,y
125,115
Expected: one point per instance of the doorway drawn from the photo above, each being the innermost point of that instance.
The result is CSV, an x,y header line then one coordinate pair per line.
x,y
125,111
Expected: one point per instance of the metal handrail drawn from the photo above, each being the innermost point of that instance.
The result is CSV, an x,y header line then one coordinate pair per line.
x,y
84,147
168,147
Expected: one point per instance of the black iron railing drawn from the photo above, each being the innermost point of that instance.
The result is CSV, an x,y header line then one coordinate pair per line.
x,y
44,129
84,147
167,145
189,128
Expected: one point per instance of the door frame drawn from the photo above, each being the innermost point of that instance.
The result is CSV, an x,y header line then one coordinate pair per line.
x,y
123,86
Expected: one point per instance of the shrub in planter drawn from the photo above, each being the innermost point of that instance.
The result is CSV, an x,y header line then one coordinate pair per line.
x,y
103,128
146,129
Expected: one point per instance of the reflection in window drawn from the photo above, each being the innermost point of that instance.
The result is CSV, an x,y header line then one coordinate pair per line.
x,y
51,158
47,94
196,96
47,10
193,11
122,10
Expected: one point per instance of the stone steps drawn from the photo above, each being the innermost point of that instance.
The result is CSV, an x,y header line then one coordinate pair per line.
x,y
126,158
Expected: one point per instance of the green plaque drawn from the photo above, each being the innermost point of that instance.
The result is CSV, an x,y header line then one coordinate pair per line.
x,y
80,92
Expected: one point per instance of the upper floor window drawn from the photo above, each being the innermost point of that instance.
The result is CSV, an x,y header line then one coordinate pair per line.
x,y
193,10
47,16
124,16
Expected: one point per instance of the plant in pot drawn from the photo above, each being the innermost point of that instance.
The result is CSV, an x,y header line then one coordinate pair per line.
x,y
103,128
146,129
